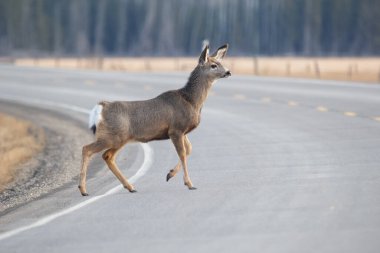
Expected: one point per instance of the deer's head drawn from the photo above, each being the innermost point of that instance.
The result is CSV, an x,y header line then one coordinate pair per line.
x,y
211,65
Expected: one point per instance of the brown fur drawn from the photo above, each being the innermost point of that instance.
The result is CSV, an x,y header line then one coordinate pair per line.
x,y
170,115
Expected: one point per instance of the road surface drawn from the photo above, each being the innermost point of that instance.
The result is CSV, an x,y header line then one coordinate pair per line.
x,y
281,165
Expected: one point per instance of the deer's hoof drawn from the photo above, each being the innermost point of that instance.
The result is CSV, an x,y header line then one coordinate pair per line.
x,y
130,190
168,176
192,188
83,193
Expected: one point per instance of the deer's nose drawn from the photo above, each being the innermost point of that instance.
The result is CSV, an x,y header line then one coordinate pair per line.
x,y
228,73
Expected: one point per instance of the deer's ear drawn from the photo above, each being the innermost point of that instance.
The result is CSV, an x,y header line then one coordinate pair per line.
x,y
220,53
204,55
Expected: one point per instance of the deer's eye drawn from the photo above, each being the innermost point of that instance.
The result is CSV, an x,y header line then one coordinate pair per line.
x,y
214,66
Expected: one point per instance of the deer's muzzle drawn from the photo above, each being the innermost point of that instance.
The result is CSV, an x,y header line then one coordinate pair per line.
x,y
227,74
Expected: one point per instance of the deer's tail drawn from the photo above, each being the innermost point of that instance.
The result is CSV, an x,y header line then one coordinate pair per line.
x,y
95,117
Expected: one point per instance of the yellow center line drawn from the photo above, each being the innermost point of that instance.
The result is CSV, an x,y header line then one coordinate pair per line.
x,y
322,109
266,99
350,114
240,97
293,103
147,87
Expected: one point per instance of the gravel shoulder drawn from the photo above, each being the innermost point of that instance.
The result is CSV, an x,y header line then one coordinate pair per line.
x,y
57,165
20,141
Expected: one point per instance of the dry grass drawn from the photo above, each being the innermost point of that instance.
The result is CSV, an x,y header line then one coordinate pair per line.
x,y
351,69
346,69
19,141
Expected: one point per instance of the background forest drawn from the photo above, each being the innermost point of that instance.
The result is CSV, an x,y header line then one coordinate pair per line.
x,y
178,27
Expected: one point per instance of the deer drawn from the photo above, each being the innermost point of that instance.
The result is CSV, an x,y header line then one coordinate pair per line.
x,y
171,115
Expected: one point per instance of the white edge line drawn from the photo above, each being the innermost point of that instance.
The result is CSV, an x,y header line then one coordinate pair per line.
x,y
147,163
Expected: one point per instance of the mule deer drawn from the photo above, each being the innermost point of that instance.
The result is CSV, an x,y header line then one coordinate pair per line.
x,y
171,115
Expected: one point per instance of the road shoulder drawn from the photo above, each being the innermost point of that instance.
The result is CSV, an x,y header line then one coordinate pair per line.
x,y
55,166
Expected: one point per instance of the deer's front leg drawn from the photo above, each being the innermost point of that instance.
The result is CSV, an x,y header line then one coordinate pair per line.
x,y
175,170
178,140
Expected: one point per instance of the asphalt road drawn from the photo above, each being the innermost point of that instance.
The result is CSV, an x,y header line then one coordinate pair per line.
x,y
280,165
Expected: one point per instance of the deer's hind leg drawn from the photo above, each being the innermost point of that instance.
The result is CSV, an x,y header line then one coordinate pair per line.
x,y
87,152
109,157
176,169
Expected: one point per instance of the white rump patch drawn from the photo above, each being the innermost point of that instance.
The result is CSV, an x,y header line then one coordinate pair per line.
x,y
95,116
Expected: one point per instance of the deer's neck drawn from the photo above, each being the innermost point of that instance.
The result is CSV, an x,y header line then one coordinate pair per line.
x,y
196,89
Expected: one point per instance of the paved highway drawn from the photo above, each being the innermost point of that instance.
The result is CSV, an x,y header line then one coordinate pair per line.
x,y
281,165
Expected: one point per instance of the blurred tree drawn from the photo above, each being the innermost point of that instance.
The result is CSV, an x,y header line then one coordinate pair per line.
x,y
178,27
122,26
